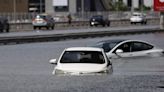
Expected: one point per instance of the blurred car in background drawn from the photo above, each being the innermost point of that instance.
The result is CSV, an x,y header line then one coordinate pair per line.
x,y
4,24
82,60
99,20
116,48
138,18
43,20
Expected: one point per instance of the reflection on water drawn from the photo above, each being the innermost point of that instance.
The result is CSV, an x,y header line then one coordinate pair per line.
x,y
138,65
160,34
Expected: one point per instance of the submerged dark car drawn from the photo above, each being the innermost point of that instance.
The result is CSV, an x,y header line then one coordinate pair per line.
x,y
99,20
4,24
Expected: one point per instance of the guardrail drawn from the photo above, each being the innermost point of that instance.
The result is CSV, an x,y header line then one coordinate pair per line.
x,y
60,16
76,24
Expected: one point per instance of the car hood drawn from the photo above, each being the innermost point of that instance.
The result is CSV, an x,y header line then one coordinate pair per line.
x,y
81,68
135,18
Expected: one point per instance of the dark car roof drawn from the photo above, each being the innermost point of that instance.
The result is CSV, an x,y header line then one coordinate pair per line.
x,y
107,41
3,19
111,44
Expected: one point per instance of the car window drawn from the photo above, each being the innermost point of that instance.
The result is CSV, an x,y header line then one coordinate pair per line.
x,y
1,24
137,15
83,57
108,46
40,16
126,47
139,46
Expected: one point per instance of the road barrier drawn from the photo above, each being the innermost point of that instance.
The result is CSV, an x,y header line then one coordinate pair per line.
x,y
62,25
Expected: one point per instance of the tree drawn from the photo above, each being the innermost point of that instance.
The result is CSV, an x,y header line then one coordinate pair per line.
x,y
118,6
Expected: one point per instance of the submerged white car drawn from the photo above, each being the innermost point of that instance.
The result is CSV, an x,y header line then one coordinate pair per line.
x,y
82,60
128,48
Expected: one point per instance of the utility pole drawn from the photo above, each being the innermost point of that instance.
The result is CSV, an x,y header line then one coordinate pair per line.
x,y
132,7
82,8
41,9
142,5
14,10
162,20
14,7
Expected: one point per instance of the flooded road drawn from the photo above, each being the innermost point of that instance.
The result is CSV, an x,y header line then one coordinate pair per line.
x,y
25,68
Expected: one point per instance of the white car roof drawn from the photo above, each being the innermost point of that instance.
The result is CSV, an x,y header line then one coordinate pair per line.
x,y
83,49
137,13
137,41
123,41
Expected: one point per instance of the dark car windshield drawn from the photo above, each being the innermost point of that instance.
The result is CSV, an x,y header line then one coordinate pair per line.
x,y
3,20
107,45
41,16
82,57
97,17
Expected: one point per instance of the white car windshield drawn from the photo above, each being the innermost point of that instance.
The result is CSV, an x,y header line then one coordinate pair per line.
x,y
137,15
40,16
83,57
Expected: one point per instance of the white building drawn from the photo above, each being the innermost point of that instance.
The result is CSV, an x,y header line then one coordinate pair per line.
x,y
137,3
74,6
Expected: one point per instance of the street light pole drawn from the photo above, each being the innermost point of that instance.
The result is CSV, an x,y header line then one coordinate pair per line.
x,y
132,7
40,6
142,5
14,7
82,6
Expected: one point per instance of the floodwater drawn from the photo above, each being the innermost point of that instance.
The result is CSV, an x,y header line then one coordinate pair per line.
x,y
26,68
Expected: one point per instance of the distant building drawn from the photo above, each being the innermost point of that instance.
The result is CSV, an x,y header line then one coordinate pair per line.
x,y
89,5
73,6
77,5
22,6
7,6
138,3
36,6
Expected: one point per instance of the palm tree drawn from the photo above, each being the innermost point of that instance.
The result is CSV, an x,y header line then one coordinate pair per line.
x,y
118,5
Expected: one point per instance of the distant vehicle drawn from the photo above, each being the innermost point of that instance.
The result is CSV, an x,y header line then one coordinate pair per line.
x,y
138,18
99,20
4,24
43,20
117,48
82,60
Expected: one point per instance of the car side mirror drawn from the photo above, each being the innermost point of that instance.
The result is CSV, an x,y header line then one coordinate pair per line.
x,y
53,61
119,51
